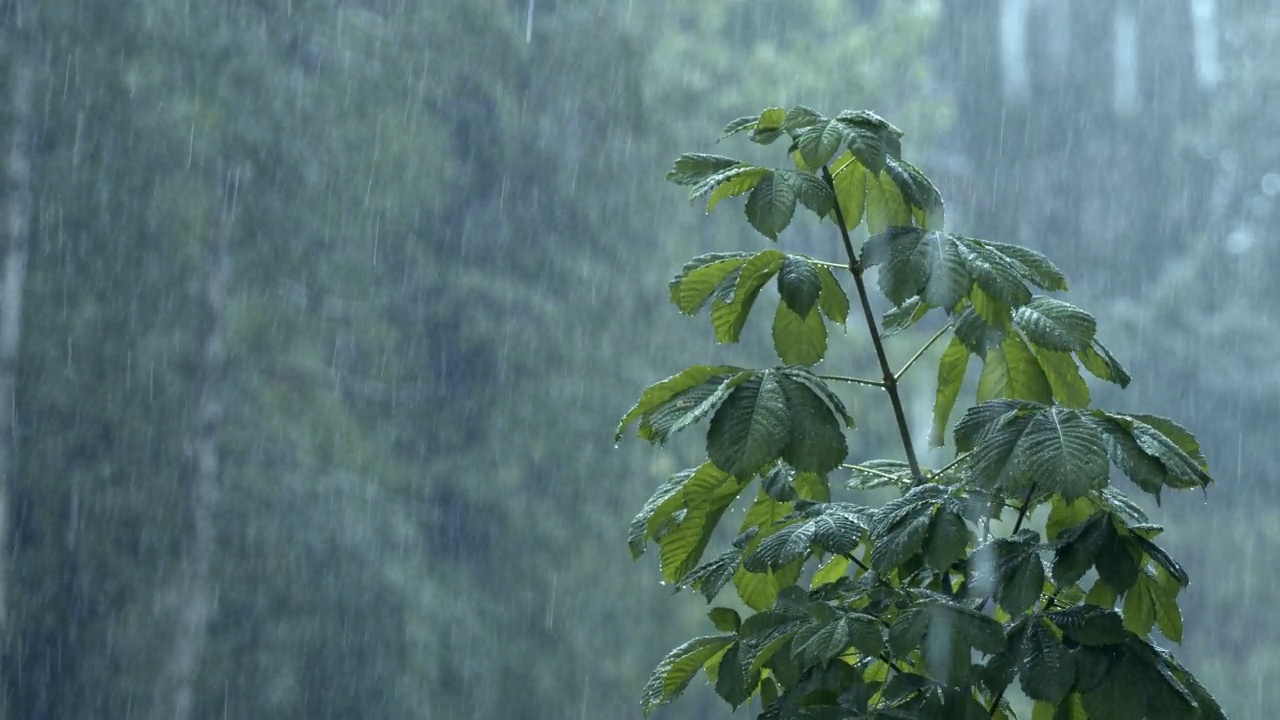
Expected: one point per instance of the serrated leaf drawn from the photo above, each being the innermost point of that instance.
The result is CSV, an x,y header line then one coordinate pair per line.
x,y
1012,371
1117,561
734,685
743,123
669,391
901,317
751,427
815,441
799,341
1020,572
1168,614
993,272
926,204
680,547
730,183
820,642
700,277
832,570
1031,266
951,370
673,674
1149,457
1140,606
1065,514
850,180
1060,369
799,284
987,418
948,540
710,577
769,126
879,473
1162,560
978,334
1047,670
729,316
771,205
833,300
1077,549
901,541
1055,325
819,142
885,205
1090,625
693,168
1063,452
760,590
645,523
813,192
805,377
1099,361
1115,697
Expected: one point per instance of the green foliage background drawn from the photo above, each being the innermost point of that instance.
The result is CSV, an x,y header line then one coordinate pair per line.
x,y
448,215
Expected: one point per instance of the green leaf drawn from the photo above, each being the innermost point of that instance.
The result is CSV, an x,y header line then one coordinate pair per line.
x,y
1140,606
1117,560
732,684
729,317
1047,670
948,541
832,570
1018,571
951,369
799,341
901,317
994,273
1012,371
710,577
920,263
1065,514
820,388
769,126
800,117
799,284
751,427
1077,549
870,138
771,205
976,333
680,546
926,204
850,180
743,123
885,206
833,300
820,142
813,192
700,277
1055,325
1063,452
673,674
819,643
669,395
730,183
693,168
725,619
1099,361
1168,614
1090,625
1064,378
1031,266
1149,457
642,529
760,590
816,442
1120,696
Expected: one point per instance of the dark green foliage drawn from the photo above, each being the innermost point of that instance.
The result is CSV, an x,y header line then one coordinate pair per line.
x,y
919,608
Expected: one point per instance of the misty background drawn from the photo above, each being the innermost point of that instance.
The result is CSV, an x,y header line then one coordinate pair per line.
x,y
317,316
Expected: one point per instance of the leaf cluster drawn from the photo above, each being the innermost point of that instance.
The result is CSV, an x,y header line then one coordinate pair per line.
x,y
921,607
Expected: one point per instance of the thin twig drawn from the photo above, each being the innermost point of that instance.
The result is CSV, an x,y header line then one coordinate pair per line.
x,y
890,380
853,380
920,353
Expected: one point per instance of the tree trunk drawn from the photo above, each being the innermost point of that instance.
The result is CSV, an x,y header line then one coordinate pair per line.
x,y
175,696
18,201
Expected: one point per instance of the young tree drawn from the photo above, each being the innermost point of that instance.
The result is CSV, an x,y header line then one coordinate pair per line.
x,y
931,605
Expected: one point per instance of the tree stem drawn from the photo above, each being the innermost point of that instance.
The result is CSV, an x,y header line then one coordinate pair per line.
x,y
890,379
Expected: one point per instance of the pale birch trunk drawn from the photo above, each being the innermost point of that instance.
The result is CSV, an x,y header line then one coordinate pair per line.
x,y
175,696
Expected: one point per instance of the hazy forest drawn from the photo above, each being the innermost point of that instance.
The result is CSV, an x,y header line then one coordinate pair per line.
x,y
317,315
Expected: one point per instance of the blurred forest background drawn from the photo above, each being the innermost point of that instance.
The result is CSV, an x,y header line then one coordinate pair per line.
x,y
317,316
